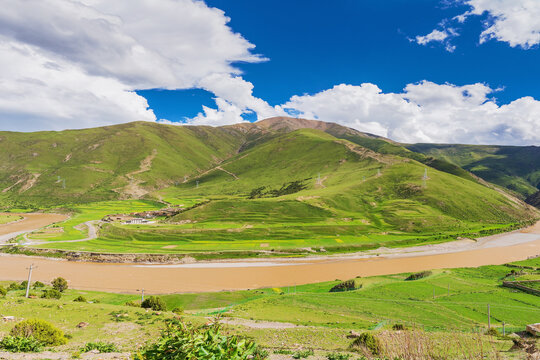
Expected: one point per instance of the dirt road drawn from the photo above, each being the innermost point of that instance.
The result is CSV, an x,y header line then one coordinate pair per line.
x,y
235,275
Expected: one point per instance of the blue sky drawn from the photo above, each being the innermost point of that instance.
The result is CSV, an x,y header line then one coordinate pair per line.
x,y
313,45
444,71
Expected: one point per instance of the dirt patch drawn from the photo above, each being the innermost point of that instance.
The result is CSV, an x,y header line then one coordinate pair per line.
x,y
134,190
68,157
169,247
29,183
98,169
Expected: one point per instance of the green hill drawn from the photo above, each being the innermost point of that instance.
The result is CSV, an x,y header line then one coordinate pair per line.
x,y
516,168
279,183
118,162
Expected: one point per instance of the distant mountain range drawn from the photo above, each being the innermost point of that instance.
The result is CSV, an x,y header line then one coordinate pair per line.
x,y
351,169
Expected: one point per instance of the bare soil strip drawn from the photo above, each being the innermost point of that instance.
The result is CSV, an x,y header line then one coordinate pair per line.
x,y
127,278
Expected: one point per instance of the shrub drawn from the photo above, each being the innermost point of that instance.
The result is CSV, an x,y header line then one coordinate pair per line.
x,y
369,341
338,356
20,344
344,286
492,332
303,354
102,347
38,285
60,284
398,327
3,291
80,298
419,275
155,303
133,303
22,285
51,294
41,330
13,286
178,310
181,340
283,351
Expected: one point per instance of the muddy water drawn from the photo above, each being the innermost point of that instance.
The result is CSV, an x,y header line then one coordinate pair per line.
x,y
29,223
213,277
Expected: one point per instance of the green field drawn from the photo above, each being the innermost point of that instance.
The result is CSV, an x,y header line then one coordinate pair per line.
x,y
6,218
448,303
73,228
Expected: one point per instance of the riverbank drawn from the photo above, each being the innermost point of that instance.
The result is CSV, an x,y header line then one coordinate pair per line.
x,y
250,274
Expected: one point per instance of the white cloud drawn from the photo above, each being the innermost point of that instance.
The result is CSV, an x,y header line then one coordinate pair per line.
x,y
226,114
435,35
107,49
40,93
426,112
516,22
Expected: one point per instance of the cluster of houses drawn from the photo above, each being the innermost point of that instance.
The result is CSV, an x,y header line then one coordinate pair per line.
x,y
143,217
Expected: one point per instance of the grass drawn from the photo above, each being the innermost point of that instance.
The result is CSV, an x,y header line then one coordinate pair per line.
x,y
513,167
354,198
458,309
7,218
73,228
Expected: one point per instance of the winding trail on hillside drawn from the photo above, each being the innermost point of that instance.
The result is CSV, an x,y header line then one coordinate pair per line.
x,y
250,274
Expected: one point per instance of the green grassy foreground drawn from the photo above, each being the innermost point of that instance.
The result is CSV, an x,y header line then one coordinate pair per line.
x,y
322,319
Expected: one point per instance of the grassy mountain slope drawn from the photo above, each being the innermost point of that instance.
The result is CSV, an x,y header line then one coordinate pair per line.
x,y
351,198
352,179
116,162
514,167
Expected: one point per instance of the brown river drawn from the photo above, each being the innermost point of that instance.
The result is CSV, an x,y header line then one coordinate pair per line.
x,y
251,274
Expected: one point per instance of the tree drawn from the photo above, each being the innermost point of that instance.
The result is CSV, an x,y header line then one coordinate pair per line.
x,y
59,284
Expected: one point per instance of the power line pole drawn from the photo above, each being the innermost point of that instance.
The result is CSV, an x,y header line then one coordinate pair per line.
x,y
489,317
142,294
197,185
29,279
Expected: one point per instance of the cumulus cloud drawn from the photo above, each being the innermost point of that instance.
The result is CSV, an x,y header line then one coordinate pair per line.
x,y
426,112
516,22
79,61
441,36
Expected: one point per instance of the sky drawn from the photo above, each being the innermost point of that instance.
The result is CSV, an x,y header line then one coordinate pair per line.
x,y
442,71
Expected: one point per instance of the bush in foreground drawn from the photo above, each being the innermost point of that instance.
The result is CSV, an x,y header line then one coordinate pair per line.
x,y
155,303
41,330
3,291
419,275
17,344
51,294
60,284
368,341
102,347
181,340
80,298
348,285
38,285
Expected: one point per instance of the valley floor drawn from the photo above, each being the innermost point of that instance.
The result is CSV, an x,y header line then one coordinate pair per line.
x,y
249,274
